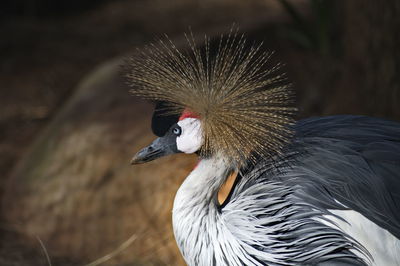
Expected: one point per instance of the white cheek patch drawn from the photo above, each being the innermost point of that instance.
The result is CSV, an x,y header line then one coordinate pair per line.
x,y
191,138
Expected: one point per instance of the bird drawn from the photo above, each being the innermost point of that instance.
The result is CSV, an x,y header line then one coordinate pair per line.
x,y
316,191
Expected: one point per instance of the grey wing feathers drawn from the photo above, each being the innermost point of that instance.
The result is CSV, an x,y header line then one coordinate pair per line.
x,y
354,160
271,218
337,162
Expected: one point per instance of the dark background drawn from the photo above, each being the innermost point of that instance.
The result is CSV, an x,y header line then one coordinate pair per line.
x,y
342,56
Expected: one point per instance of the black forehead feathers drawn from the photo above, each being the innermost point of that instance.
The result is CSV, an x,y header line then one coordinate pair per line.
x,y
160,122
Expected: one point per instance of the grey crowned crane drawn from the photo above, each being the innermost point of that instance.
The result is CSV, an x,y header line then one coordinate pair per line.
x,y
320,191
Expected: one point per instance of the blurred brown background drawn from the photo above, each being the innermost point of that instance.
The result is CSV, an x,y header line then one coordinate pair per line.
x,y
68,126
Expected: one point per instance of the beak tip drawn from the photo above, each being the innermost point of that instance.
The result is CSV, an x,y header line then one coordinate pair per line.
x,y
134,161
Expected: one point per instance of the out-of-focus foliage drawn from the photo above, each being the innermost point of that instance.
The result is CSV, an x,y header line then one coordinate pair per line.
x,y
315,32
45,8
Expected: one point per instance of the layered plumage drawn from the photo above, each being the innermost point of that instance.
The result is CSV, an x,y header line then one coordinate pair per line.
x,y
333,199
322,191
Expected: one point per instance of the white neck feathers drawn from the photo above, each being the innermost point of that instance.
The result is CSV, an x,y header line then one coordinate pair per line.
x,y
195,203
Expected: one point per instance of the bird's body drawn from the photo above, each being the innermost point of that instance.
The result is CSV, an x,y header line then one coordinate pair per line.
x,y
290,212
322,191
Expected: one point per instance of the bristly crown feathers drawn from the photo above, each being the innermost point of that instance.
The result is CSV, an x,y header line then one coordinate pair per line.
x,y
245,108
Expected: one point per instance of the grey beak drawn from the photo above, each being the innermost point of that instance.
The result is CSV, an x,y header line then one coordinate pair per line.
x,y
147,154
158,148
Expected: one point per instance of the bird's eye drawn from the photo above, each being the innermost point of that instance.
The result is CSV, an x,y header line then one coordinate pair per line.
x,y
177,131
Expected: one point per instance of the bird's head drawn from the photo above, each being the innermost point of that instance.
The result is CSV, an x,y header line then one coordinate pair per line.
x,y
184,136
241,106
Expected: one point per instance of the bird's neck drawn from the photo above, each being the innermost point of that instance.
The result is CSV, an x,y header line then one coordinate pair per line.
x,y
201,186
196,202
